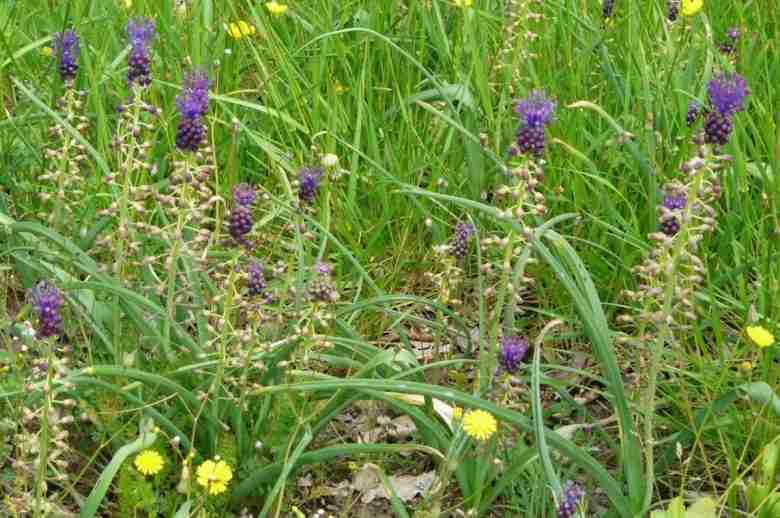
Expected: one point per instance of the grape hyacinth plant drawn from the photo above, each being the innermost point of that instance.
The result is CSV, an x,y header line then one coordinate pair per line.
x,y
244,194
459,246
512,352
694,112
67,47
671,208
608,9
535,113
140,31
47,301
309,179
727,94
729,46
571,495
193,104
673,10
256,279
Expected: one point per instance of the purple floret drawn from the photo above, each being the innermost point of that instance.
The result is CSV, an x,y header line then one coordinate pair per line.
x,y
66,45
537,110
193,104
571,495
309,183
47,302
459,246
141,32
727,93
694,111
244,194
256,282
513,350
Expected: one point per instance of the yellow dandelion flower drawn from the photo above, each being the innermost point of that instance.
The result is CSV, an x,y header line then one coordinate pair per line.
x,y
760,336
464,3
691,7
479,424
149,462
47,51
214,476
276,8
746,366
241,29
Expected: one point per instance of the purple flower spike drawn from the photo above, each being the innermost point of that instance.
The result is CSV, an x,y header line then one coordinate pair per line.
x,y
240,223
459,246
513,350
141,32
537,110
608,8
535,113
717,128
571,495
47,302
309,183
193,104
673,202
694,111
256,281
244,194
727,93
66,44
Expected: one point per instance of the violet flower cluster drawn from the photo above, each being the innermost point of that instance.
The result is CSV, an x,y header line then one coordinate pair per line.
x,y
141,32
193,104
512,353
256,283
671,209
727,94
321,287
66,45
47,302
309,179
608,9
730,45
535,113
241,221
571,495
459,246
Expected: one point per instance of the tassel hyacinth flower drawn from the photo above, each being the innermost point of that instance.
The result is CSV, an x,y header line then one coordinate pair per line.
x,y
571,495
727,94
535,113
47,302
459,247
141,32
193,104
67,47
309,180
513,350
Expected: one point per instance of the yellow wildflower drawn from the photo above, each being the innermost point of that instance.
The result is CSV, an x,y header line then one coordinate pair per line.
x,y
760,336
149,462
47,51
464,3
457,413
691,7
276,8
214,476
746,366
479,424
241,29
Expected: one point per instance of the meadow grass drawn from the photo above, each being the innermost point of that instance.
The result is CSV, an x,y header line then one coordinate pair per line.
x,y
163,349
